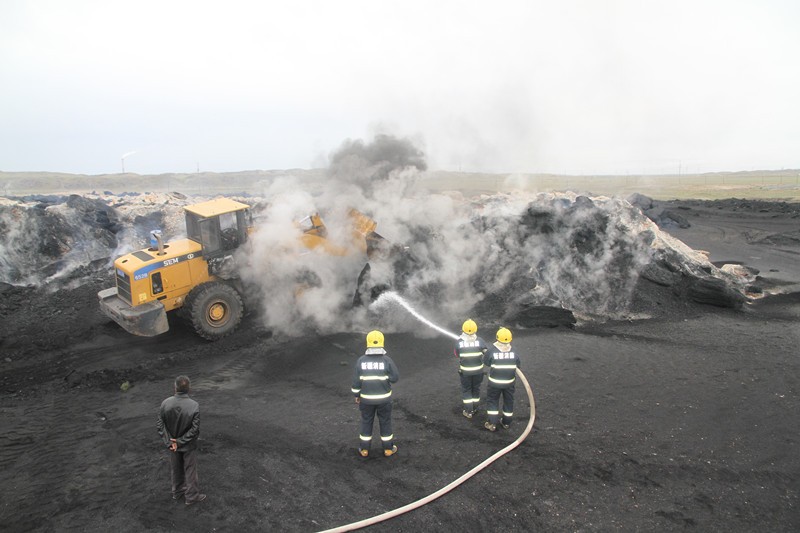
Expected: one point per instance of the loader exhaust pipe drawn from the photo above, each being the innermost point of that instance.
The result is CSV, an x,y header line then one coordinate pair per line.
x,y
157,242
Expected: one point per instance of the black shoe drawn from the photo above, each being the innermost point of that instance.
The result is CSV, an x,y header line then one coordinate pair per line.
x,y
391,452
177,495
466,414
506,426
199,499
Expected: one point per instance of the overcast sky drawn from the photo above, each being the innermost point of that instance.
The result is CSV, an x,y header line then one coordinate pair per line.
x,y
503,86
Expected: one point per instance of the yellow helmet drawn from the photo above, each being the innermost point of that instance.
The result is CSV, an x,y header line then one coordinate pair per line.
x,y
375,339
469,327
504,335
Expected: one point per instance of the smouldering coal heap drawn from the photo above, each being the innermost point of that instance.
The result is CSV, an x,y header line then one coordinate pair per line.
x,y
508,254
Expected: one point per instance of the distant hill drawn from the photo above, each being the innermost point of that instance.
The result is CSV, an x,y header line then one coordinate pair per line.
x,y
763,184
251,181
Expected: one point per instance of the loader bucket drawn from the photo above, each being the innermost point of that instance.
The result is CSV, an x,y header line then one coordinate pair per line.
x,y
146,320
396,262
367,291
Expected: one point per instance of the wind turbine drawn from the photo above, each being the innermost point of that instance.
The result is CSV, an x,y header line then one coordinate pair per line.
x,y
123,160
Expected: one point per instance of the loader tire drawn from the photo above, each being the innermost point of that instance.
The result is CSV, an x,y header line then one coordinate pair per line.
x,y
214,309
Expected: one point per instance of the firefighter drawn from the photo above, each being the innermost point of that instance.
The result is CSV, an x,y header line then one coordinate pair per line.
x,y
372,386
470,350
503,364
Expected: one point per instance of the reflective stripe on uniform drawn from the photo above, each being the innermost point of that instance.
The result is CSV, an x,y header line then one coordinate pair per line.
x,y
355,391
492,412
471,354
374,378
504,366
376,396
390,437
470,368
509,415
366,439
471,400
501,381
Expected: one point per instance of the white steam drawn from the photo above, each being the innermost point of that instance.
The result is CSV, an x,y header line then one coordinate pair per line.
x,y
484,257
299,286
511,249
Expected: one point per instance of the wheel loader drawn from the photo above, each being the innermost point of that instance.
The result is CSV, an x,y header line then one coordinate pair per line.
x,y
198,276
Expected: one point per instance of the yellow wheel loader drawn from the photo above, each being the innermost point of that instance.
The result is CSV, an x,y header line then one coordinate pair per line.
x,y
197,275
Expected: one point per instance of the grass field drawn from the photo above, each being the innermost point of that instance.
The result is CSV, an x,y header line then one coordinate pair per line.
x,y
768,185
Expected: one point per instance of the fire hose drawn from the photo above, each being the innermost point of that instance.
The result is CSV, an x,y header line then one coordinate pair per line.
x,y
447,488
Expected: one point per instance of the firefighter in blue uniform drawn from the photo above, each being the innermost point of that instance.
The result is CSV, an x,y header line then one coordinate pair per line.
x,y
372,386
503,364
470,350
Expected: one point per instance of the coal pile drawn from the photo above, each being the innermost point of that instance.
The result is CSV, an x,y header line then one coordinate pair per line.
x,y
50,236
528,260
659,213
51,240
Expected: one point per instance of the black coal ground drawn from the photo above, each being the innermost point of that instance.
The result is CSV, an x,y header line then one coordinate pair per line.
x,y
683,421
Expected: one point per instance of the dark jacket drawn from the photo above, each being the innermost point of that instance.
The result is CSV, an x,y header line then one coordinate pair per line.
x,y
373,377
470,354
179,418
503,364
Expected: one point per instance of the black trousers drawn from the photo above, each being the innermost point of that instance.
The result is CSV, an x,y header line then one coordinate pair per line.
x,y
184,474
493,404
368,412
471,391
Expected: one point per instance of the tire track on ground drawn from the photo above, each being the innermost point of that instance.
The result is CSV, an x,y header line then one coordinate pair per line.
x,y
234,370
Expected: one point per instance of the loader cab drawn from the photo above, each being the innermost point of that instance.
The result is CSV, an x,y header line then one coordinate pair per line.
x,y
313,225
219,226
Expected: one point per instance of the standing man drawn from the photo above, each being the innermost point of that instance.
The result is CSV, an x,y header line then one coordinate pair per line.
x,y
372,386
503,364
469,350
179,427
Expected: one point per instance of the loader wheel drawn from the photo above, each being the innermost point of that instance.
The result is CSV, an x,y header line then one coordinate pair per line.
x,y
215,310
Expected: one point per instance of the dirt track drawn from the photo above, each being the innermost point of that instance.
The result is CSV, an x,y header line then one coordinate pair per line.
x,y
684,421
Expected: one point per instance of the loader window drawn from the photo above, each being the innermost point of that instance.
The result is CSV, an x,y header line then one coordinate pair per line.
x,y
193,227
227,221
306,224
204,231
209,236
229,231
244,220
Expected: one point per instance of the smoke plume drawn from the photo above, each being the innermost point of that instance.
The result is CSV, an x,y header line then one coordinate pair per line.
x,y
452,257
